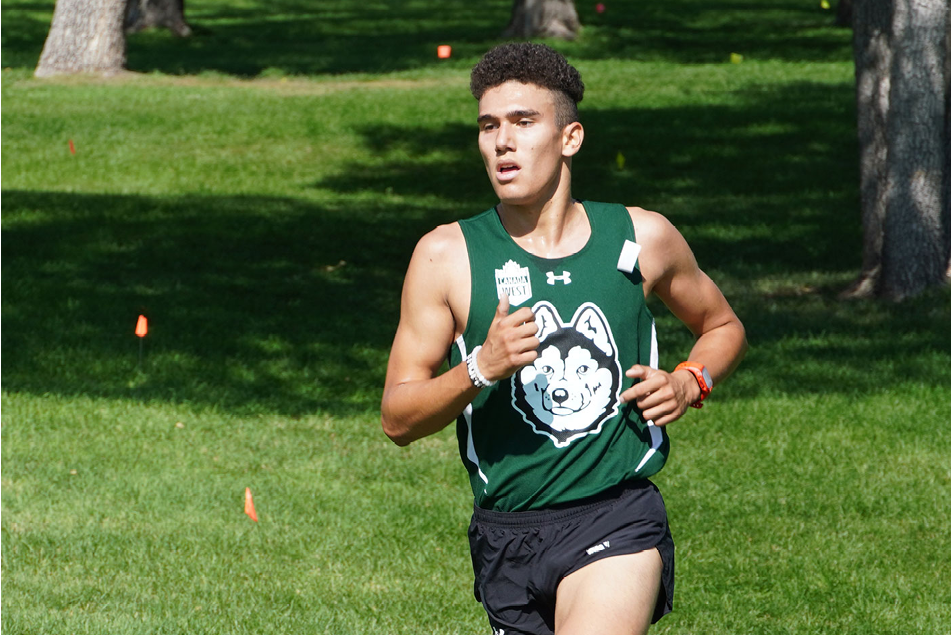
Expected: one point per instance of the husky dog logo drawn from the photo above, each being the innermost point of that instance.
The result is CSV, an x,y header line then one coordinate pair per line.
x,y
574,384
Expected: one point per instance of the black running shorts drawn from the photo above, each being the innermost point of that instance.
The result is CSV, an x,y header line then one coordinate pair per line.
x,y
519,558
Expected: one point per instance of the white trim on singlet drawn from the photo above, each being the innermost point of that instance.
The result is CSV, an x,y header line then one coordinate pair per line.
x,y
655,353
657,437
467,413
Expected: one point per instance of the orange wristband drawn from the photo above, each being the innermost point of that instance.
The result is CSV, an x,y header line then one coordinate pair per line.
x,y
703,378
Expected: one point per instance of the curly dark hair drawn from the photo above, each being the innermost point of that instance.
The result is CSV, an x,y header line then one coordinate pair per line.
x,y
531,63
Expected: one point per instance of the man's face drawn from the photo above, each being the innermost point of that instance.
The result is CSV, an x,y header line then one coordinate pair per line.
x,y
520,142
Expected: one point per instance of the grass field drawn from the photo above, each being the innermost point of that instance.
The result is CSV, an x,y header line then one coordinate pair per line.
x,y
257,190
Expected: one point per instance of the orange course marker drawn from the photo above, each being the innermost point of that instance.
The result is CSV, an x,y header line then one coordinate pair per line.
x,y
443,51
72,148
249,505
142,326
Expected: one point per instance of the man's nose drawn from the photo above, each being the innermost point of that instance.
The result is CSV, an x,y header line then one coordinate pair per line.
x,y
504,140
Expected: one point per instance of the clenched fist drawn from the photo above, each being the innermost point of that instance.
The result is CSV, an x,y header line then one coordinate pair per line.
x,y
510,343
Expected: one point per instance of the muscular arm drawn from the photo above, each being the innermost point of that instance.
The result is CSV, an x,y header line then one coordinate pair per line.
x,y
671,272
416,402
433,309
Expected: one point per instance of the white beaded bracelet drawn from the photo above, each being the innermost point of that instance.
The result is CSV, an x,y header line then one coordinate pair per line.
x,y
478,379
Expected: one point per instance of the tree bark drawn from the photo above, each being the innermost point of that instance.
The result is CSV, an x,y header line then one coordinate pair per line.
x,y
902,62
148,14
543,18
86,36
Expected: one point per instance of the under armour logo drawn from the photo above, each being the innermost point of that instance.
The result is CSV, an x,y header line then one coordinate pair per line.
x,y
564,277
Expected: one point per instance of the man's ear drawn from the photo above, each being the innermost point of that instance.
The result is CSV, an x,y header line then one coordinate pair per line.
x,y
571,139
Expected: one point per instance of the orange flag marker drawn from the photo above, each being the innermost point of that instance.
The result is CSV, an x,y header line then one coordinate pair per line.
x,y
443,51
142,326
72,148
141,329
249,505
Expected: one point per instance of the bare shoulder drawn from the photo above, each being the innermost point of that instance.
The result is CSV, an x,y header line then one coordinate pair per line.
x,y
663,248
439,273
440,258
440,245
652,227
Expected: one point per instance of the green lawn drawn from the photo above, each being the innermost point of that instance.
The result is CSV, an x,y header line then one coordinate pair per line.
x,y
257,190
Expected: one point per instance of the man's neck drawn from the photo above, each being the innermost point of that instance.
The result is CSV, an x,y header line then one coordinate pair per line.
x,y
555,228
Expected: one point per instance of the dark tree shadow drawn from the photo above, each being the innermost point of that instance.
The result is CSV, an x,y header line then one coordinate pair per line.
x,y
253,302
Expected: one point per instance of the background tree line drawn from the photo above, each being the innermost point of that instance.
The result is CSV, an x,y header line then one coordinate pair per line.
x,y
902,51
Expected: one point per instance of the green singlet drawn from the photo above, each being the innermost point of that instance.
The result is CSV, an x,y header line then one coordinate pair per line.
x,y
556,432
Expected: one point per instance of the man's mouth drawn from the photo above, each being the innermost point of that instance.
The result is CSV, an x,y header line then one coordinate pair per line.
x,y
506,171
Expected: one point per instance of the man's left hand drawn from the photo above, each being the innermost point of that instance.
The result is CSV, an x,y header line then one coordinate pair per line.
x,y
662,397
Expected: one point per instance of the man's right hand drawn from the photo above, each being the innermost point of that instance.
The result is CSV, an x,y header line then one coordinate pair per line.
x,y
510,344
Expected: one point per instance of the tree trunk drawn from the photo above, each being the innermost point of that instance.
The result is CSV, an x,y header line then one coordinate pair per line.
x,y
543,18
85,36
902,62
148,14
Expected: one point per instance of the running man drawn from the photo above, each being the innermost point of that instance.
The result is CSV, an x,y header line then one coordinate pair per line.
x,y
554,383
